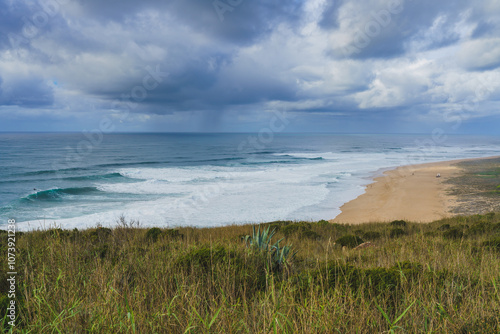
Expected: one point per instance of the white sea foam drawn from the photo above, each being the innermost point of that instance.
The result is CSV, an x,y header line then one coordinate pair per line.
x,y
218,195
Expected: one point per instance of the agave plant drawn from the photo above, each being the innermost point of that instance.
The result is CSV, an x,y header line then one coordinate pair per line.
x,y
260,240
279,256
282,255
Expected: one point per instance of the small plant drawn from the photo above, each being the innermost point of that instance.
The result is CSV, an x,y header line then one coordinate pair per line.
x,y
281,256
444,227
359,232
397,232
492,243
100,234
259,240
349,241
398,223
371,235
123,223
478,228
173,234
310,234
453,233
392,324
153,233
204,257
296,227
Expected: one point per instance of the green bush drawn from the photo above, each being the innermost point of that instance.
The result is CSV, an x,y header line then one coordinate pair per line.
x,y
204,257
359,232
453,233
99,234
278,224
310,234
398,223
444,227
173,234
323,222
397,232
101,250
478,228
295,228
372,280
350,241
153,233
492,243
495,228
372,235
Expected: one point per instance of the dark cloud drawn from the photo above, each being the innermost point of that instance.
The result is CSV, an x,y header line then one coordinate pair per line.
x,y
329,18
28,93
233,56
240,22
11,21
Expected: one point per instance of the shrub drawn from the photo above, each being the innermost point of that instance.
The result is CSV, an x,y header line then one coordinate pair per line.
x,y
153,233
173,234
278,224
323,222
204,257
372,235
359,232
453,233
492,243
259,240
101,251
279,256
444,227
100,234
350,241
478,228
398,223
310,234
397,232
296,227
373,280
495,228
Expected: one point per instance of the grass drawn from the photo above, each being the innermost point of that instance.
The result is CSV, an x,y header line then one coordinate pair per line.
x,y
442,277
478,187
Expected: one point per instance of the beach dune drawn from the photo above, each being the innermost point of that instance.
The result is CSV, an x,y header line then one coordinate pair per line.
x,y
416,193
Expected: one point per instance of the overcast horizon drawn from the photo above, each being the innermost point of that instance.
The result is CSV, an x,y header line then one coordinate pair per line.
x,y
384,66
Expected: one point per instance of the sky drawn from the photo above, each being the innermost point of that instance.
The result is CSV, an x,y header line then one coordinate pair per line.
x,y
361,66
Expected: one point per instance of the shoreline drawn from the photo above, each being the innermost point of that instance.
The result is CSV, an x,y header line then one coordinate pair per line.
x,y
411,192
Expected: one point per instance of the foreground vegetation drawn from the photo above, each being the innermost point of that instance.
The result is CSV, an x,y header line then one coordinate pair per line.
x,y
442,277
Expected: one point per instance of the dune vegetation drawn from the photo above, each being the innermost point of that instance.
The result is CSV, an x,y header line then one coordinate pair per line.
x,y
441,277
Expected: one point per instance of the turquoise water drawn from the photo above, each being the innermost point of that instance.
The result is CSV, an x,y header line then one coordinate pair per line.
x,y
73,180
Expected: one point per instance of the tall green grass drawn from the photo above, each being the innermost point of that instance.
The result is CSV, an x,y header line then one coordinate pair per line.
x,y
128,279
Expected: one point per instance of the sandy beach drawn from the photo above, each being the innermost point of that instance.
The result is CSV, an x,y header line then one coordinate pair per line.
x,y
412,193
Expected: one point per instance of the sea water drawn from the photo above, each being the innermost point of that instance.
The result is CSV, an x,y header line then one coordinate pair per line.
x,y
81,180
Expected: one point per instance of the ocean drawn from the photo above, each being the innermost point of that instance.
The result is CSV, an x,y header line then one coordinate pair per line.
x,y
167,180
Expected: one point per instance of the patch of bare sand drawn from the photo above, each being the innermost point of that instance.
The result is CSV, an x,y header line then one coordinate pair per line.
x,y
412,193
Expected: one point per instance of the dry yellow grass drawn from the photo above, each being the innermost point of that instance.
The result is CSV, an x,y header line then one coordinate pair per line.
x,y
442,277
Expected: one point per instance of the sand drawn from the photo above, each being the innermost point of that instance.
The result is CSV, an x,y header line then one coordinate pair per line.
x,y
411,193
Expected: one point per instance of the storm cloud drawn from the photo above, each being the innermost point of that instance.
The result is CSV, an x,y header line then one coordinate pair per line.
x,y
332,63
